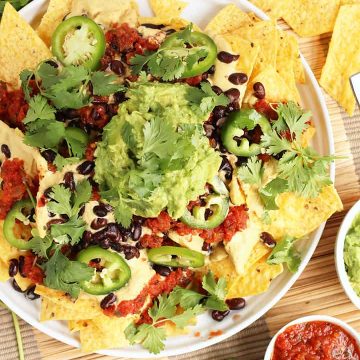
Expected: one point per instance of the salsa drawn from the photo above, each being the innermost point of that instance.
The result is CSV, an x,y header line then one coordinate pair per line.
x,y
316,340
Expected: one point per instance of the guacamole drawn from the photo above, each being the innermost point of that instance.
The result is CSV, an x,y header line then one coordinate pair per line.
x,y
352,254
154,154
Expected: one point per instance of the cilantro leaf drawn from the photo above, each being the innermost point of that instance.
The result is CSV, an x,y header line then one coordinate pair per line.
x,y
274,143
40,246
61,197
269,192
183,319
25,77
105,84
39,109
185,297
69,232
252,172
284,252
63,274
83,193
217,291
162,308
76,144
60,162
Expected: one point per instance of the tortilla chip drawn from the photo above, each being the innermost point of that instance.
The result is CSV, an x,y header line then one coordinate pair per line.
x,y
309,17
4,271
264,34
273,8
256,281
87,308
349,2
227,20
285,62
307,136
248,56
343,58
175,23
298,216
276,88
54,15
7,251
167,8
20,47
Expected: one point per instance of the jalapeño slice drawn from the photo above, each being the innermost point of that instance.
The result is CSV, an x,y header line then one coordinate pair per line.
x,y
175,256
79,41
114,272
17,229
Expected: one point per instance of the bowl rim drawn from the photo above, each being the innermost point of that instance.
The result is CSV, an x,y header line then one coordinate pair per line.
x,y
327,318
316,235
339,254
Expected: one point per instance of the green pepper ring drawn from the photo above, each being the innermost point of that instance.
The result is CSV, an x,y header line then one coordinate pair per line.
x,y
113,262
204,65
233,128
9,223
164,255
70,24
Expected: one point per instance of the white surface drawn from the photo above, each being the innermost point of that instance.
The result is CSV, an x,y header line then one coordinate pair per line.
x,y
330,319
200,12
339,254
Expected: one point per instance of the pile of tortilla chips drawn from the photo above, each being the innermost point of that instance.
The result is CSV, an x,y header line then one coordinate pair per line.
x,y
316,17
269,56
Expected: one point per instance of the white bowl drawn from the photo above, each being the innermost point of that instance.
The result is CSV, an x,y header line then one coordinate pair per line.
x,y
339,254
199,11
330,319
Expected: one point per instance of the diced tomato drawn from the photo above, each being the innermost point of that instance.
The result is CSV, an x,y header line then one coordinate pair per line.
x,y
90,150
183,229
151,241
263,107
31,271
160,224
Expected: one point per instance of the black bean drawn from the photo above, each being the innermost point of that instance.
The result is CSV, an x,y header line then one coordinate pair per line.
x,y
105,244
219,123
69,181
86,167
111,232
16,286
219,112
162,270
13,267
170,31
259,90
136,232
71,114
30,293
119,97
130,252
233,94
6,151
48,192
238,78
98,223
139,246
241,160
219,315
206,247
226,57
54,222
211,71
216,90
81,211
108,300
21,266
52,63
117,67
153,26
209,129
208,213
236,303
268,239
49,155
100,210
226,167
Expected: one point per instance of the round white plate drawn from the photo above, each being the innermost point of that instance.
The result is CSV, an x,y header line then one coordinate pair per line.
x,y
339,254
200,12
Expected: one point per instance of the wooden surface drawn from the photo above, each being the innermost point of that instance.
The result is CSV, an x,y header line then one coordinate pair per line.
x,y
318,290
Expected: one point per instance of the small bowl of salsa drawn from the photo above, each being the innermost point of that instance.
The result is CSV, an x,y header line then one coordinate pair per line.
x,y
316,337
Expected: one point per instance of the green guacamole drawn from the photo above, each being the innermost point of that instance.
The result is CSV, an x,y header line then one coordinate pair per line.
x,y
352,254
154,154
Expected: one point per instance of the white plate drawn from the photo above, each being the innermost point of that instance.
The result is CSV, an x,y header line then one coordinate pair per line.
x,y
200,12
339,254
304,319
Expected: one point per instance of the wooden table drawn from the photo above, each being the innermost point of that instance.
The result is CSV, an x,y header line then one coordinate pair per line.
x,y
318,290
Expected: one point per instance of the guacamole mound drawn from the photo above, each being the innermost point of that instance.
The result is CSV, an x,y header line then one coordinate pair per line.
x,y
352,254
154,154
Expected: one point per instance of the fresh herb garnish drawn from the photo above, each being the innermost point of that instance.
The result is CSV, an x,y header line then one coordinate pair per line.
x,y
152,336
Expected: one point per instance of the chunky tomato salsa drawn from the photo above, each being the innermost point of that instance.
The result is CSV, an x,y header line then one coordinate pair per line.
x,y
316,340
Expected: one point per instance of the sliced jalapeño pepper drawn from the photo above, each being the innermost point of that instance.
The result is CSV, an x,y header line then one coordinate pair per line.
x,y
233,130
175,256
202,41
114,274
209,216
79,41
19,214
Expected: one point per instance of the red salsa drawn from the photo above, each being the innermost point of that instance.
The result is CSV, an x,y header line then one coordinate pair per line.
x,y
316,340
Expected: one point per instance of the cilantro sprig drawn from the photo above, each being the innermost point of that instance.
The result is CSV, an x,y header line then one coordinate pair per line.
x,y
165,309
173,57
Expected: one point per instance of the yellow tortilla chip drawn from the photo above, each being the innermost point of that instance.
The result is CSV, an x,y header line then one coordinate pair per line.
x,y
298,216
343,58
276,89
7,251
4,271
167,8
256,281
273,8
307,136
175,23
87,308
285,63
20,47
54,15
227,20
309,17
264,34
